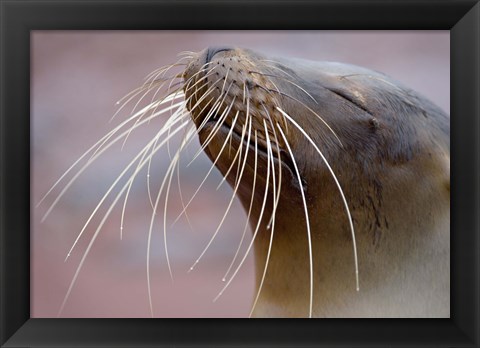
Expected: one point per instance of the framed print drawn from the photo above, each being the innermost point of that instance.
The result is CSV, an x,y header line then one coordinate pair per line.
x,y
353,207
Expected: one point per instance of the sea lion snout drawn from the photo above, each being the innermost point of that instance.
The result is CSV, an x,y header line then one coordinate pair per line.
x,y
211,51
222,81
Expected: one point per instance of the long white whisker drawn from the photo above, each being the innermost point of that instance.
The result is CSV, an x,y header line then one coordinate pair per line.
x,y
217,126
87,152
229,204
249,210
275,203
117,180
186,139
286,80
307,220
67,186
309,109
211,168
175,162
95,235
339,189
237,154
168,124
122,218
169,173
256,228
149,239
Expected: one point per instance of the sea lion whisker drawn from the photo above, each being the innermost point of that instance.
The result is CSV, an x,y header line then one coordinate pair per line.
x,y
279,161
172,93
276,67
249,209
136,91
168,142
241,150
92,148
168,126
309,109
213,108
204,95
188,53
146,87
237,154
202,69
211,168
152,106
220,100
244,92
149,240
247,118
229,204
256,228
275,204
372,77
203,109
163,70
150,230
97,231
307,220
157,71
174,162
225,83
215,105
217,126
157,84
148,189
122,218
286,80
133,94
120,176
156,87
206,76
238,176
130,95
84,167
207,93
169,93
141,116
211,88
339,189
153,110
186,139
143,153
171,114
153,76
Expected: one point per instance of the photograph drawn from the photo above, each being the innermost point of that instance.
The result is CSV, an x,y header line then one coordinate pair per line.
x,y
240,174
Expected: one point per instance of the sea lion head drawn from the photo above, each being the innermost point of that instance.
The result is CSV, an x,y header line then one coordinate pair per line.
x,y
338,125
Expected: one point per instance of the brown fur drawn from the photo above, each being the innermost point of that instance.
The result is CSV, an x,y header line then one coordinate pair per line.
x,y
393,165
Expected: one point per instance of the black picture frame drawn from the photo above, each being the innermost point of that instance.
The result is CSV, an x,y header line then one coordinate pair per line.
x,y
19,17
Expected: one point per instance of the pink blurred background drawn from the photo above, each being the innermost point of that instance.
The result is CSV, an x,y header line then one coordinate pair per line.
x,y
77,77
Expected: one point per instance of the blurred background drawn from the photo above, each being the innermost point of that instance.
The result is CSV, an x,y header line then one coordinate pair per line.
x,y
76,79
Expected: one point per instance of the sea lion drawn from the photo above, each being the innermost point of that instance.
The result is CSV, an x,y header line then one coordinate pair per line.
x,y
356,160
343,173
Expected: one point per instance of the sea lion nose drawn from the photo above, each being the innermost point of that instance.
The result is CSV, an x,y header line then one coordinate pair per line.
x,y
211,51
